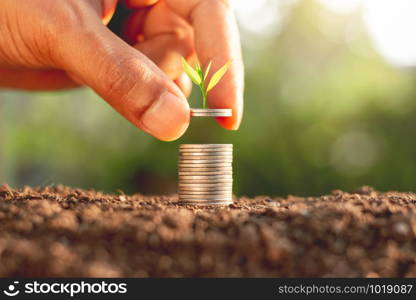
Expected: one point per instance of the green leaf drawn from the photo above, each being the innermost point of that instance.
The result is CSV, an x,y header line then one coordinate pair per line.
x,y
199,70
218,75
193,75
207,70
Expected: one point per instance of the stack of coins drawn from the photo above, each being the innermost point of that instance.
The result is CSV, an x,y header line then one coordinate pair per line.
x,y
211,112
206,174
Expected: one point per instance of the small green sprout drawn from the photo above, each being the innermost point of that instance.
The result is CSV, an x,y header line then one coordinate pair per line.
x,y
199,77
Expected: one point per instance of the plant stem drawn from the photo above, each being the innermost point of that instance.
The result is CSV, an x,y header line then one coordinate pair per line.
x,y
204,95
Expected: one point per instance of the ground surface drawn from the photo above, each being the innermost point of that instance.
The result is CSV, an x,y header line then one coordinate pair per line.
x,y
58,231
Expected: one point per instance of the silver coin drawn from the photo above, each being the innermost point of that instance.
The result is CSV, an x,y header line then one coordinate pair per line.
x,y
206,154
220,185
193,167
208,112
206,186
205,198
211,112
183,178
209,181
191,160
205,146
206,203
205,189
208,177
203,169
194,154
205,161
226,167
208,172
207,149
198,153
203,179
209,203
219,189
199,187
206,157
206,169
206,181
205,173
210,109
211,115
212,147
216,165
202,195
227,112
228,191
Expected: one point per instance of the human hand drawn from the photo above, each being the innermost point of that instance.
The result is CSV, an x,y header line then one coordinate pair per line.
x,y
49,44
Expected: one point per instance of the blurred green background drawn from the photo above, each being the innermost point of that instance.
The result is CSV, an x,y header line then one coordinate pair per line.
x,y
330,103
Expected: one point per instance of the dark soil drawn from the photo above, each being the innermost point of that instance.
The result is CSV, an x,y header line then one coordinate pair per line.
x,y
59,231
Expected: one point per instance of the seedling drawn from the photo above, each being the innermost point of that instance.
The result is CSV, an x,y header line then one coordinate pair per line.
x,y
199,77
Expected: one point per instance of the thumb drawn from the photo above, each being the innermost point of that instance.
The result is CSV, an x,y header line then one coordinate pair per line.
x,y
126,79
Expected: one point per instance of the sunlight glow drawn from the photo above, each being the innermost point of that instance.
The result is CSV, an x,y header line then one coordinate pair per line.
x,y
391,24
355,152
260,16
341,6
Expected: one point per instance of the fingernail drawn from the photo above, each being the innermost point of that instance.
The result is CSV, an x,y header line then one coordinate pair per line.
x,y
167,118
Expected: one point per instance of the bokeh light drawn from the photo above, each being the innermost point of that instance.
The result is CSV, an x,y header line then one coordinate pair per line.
x,y
391,25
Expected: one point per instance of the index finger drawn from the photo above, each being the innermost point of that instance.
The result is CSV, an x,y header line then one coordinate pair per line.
x,y
217,40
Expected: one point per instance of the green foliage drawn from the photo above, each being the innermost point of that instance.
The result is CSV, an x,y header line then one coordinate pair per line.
x,y
192,74
207,70
217,76
199,77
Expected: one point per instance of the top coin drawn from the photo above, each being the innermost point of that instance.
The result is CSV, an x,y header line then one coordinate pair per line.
x,y
199,112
